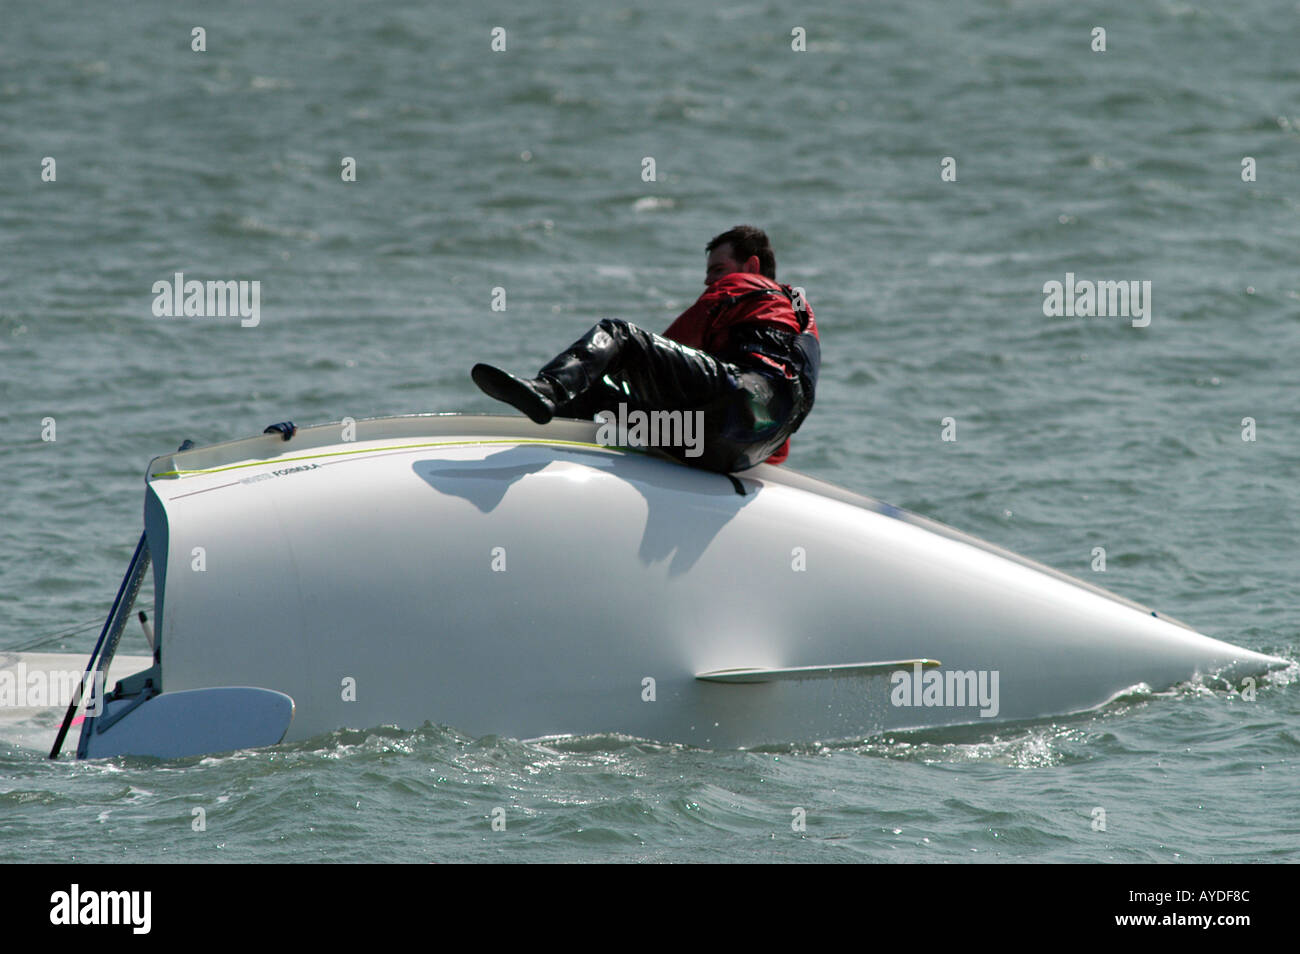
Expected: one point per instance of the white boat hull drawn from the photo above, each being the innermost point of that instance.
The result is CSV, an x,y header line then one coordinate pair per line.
x,y
510,579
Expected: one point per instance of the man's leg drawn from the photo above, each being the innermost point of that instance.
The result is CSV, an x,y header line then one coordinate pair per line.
x,y
745,412
601,397
659,371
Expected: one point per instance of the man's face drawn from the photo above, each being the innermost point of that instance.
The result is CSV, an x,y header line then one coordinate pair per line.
x,y
722,262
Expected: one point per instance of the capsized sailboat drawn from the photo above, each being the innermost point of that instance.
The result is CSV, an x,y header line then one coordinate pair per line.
x,y
507,578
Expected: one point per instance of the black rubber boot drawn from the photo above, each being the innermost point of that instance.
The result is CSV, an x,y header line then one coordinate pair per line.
x,y
536,398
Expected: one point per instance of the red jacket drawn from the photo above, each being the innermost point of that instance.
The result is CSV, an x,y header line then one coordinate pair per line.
x,y
695,329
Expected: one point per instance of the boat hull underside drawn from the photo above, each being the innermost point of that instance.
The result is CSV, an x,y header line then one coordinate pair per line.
x,y
531,590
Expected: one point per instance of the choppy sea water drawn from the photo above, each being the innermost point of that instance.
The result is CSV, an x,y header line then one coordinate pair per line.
x,y
522,169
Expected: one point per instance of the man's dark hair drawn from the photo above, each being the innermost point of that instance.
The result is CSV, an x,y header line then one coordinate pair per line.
x,y
745,240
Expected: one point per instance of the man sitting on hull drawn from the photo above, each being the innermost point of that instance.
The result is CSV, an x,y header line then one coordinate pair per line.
x,y
746,355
